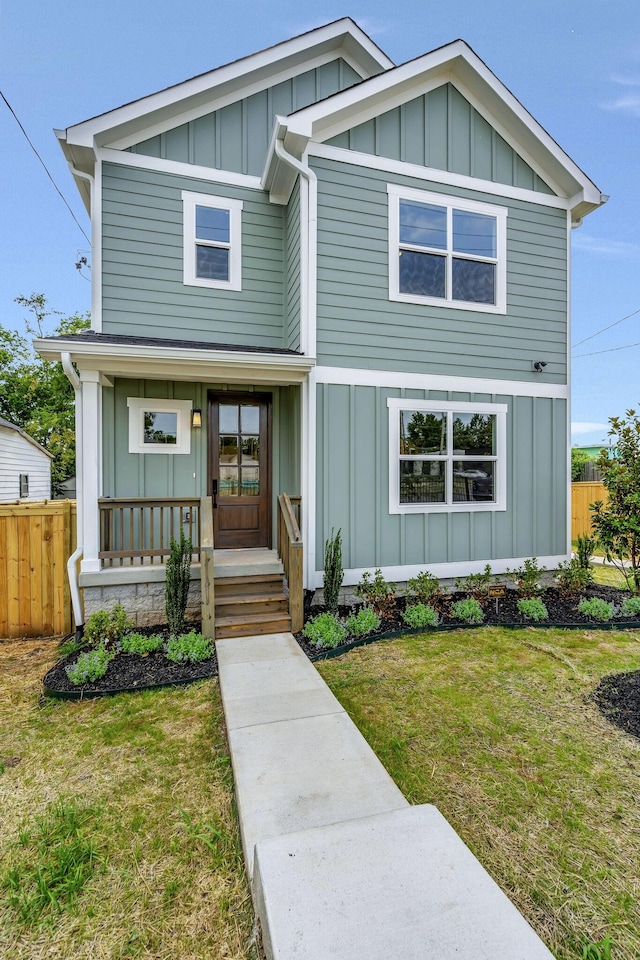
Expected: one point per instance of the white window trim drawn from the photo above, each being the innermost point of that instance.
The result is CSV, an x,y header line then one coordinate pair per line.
x,y
138,406
189,203
396,194
499,410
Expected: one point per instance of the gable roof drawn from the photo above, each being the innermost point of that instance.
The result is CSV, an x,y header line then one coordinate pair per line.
x,y
7,425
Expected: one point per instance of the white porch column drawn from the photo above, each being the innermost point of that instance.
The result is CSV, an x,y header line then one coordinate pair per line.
x,y
91,461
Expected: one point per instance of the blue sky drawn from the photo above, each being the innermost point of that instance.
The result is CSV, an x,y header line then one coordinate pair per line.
x,y
574,64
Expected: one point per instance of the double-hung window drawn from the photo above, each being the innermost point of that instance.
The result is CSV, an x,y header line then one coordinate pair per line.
x,y
212,241
446,456
446,251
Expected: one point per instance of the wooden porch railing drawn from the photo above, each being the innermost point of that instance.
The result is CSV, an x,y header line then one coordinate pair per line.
x,y
139,531
290,552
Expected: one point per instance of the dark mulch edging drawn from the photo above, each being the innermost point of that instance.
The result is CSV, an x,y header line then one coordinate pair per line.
x,y
128,673
617,697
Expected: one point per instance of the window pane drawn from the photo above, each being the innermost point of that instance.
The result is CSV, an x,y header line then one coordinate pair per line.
x,y
473,480
228,483
422,481
250,420
422,433
422,274
474,233
250,451
228,418
212,263
474,434
228,449
212,224
250,481
423,224
160,427
474,281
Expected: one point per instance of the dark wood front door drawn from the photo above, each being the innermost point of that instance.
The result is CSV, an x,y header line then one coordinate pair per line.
x,y
240,469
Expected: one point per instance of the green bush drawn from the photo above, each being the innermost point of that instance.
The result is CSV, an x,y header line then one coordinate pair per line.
x,y
377,593
527,577
325,630
585,545
107,627
138,643
533,608
333,571
476,584
89,666
189,647
572,578
631,607
365,621
420,615
468,610
425,586
177,581
597,608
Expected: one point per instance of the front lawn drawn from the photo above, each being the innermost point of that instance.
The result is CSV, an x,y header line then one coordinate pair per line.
x,y
495,728
119,811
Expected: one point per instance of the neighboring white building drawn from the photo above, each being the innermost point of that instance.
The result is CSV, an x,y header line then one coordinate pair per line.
x,y
25,466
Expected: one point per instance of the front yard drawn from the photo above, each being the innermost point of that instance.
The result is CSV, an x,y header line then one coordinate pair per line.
x,y
495,728
153,868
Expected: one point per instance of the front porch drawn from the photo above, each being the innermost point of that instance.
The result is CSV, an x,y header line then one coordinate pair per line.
x,y
234,592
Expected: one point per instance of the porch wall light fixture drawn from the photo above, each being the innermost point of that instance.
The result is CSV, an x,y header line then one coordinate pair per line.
x,y
196,417
538,366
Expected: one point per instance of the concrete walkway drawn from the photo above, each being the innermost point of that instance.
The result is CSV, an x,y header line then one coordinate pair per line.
x,y
341,867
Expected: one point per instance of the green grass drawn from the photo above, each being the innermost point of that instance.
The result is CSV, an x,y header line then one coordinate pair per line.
x,y
496,729
119,834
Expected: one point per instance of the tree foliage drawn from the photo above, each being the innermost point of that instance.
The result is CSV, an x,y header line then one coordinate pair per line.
x,y
35,394
578,460
616,523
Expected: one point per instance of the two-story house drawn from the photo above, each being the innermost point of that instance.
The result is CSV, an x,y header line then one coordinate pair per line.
x,y
320,274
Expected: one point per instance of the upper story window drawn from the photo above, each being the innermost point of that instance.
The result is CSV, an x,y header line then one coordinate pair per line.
x,y
445,455
212,241
446,251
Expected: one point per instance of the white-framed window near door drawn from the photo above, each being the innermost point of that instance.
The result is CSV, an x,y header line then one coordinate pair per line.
x,y
446,456
212,243
159,426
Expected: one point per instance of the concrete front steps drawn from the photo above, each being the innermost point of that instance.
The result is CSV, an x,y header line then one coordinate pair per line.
x,y
249,594
341,866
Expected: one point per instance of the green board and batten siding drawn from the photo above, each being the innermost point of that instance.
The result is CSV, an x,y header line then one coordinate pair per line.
x,y
358,326
442,130
353,485
237,136
142,276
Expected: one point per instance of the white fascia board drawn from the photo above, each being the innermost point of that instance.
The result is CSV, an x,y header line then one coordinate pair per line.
x,y
178,168
393,379
235,79
173,363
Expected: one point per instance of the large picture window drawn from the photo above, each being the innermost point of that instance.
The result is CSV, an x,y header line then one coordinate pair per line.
x,y
212,241
446,251
446,456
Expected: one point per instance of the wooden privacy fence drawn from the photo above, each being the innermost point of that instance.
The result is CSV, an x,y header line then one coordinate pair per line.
x,y
36,540
582,494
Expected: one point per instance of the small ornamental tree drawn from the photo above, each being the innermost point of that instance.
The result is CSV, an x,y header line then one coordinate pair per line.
x,y
616,523
333,572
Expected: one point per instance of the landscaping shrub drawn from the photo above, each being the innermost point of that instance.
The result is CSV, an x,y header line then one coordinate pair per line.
x,y
107,627
597,608
476,584
90,666
325,630
377,593
178,578
468,610
533,608
421,615
191,647
527,577
425,586
572,578
631,607
138,643
333,571
365,621
585,545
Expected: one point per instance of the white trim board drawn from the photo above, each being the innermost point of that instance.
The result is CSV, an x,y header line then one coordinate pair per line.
x,y
178,168
461,568
433,174
426,381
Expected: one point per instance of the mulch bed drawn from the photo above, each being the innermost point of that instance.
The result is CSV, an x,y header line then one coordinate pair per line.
x,y
618,699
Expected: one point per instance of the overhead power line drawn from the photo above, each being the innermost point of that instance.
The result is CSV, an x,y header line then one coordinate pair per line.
x,y
595,353
57,188
604,329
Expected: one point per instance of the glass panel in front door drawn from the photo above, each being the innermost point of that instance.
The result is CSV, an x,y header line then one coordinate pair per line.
x,y
239,450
